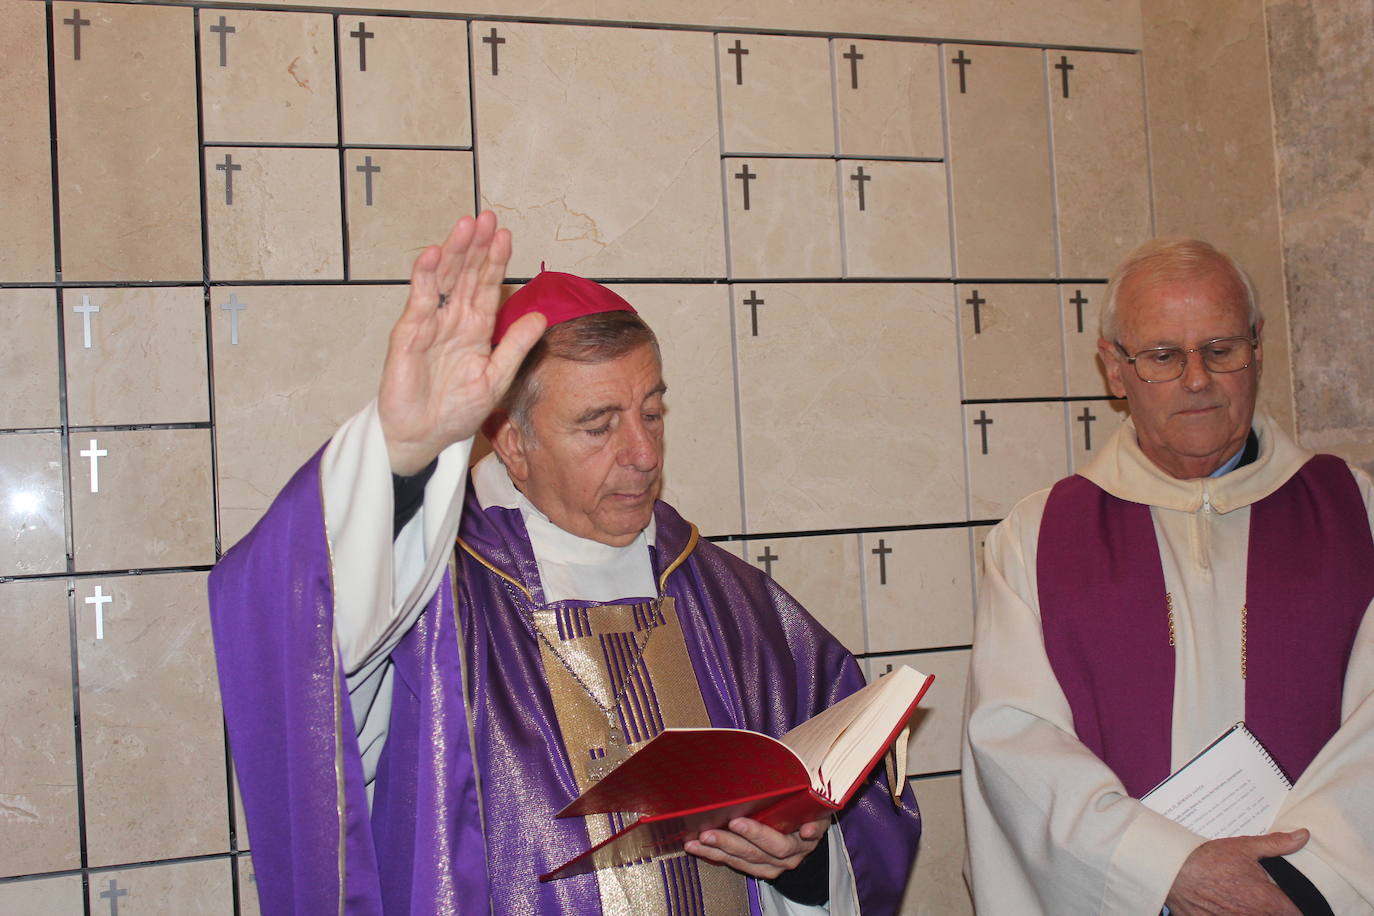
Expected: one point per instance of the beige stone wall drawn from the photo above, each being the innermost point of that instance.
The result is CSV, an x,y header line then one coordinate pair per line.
x,y
872,236
1321,69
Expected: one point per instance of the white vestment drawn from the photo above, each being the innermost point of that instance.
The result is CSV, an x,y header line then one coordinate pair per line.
x,y
1050,827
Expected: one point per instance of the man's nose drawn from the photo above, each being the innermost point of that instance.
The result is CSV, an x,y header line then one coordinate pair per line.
x,y
639,446
1196,375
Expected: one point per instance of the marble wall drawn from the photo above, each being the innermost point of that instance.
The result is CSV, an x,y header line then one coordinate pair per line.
x,y
871,235
1321,69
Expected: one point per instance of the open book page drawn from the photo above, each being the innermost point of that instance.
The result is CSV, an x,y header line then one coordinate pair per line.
x,y
1232,788
840,744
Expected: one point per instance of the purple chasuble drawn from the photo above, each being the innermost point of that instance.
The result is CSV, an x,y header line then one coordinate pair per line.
x,y
1310,579
462,818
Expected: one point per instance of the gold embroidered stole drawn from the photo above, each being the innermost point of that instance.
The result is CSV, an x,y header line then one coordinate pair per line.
x,y
635,652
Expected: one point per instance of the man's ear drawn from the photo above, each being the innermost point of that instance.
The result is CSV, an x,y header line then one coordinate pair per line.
x,y
509,444
1113,363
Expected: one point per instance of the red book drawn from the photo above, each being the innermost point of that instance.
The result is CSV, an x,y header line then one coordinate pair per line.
x,y
686,780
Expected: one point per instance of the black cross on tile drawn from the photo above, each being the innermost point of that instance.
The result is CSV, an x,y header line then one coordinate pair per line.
x,y
853,56
753,302
746,176
1087,418
1079,300
977,302
228,167
112,894
983,422
962,63
223,30
495,41
76,22
1064,67
362,34
767,558
368,170
739,51
881,552
861,179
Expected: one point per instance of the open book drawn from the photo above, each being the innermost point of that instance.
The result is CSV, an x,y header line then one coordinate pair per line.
x,y
1231,788
686,780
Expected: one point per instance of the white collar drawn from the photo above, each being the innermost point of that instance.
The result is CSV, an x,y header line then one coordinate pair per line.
x,y
570,567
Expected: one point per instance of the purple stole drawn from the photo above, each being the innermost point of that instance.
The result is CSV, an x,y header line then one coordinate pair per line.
x,y
1310,578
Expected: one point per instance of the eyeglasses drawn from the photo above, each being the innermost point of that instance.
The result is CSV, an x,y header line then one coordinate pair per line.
x,y
1164,364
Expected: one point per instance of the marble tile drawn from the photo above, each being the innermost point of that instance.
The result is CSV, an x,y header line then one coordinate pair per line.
x,y
608,180
31,504
918,589
126,142
1012,341
1082,304
146,359
1101,175
938,723
701,471
822,573
775,94
185,888
888,98
149,504
399,201
307,359
248,887
1026,450
28,359
151,734
1212,157
1091,424
267,77
25,150
414,91
273,214
45,897
999,156
896,219
38,831
937,886
1072,22
783,217
814,382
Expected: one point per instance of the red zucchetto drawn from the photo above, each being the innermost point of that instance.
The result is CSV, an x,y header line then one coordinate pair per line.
x,y
559,297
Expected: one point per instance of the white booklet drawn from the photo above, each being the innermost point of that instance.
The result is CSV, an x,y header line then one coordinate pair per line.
x,y
1232,788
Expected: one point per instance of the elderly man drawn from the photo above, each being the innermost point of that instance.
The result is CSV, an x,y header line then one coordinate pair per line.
x,y
407,719
1201,570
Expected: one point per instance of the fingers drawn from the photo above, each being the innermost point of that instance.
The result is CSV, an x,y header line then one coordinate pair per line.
x,y
454,251
517,342
753,848
1281,844
424,289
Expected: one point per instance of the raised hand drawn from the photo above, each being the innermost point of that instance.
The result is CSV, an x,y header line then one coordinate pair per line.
x,y
1224,876
442,378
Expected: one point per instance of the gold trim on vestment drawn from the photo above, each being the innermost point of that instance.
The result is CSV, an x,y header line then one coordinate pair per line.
x,y
468,549
340,800
681,558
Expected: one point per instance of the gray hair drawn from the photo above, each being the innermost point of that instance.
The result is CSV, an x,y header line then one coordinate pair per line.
x,y
597,338
1174,258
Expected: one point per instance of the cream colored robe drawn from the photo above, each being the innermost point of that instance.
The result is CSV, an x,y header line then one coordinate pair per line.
x,y
1050,828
